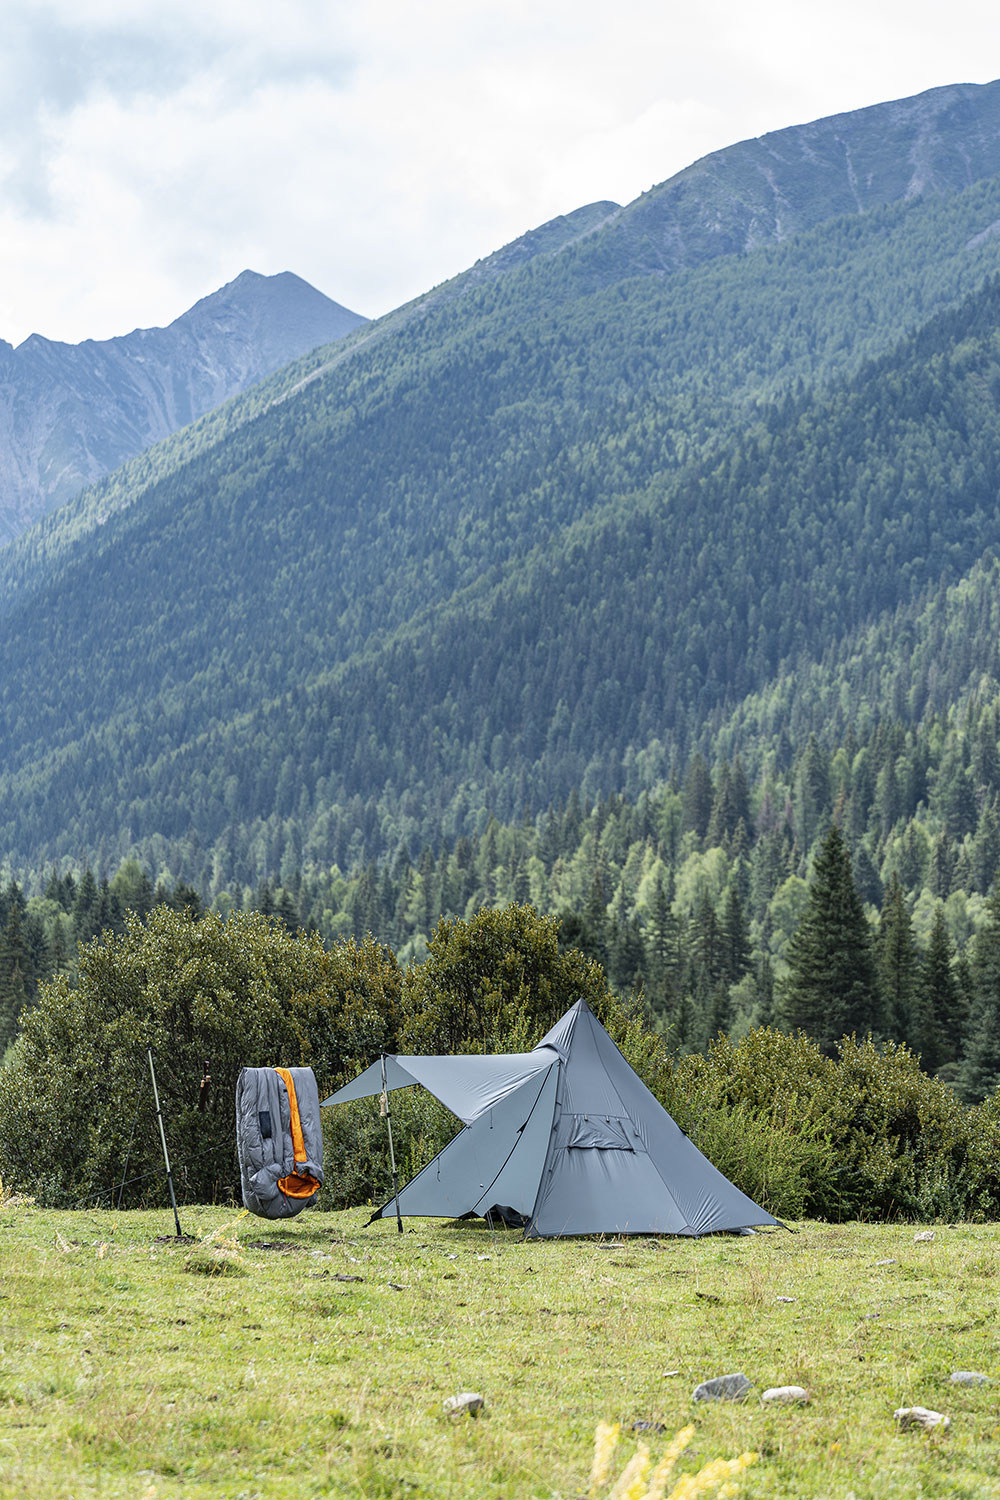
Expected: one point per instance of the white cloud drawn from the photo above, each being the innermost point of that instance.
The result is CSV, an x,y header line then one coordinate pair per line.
x,y
149,153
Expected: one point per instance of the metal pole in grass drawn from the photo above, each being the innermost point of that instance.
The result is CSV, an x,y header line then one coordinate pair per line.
x,y
384,1106
163,1143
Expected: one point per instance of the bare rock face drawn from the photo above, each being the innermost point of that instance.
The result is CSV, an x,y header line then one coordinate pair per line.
x,y
70,413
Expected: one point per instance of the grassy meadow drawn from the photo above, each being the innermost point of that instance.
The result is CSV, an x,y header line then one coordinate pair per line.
x,y
314,1358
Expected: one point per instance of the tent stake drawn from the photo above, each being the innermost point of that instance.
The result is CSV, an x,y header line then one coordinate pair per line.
x,y
163,1143
392,1154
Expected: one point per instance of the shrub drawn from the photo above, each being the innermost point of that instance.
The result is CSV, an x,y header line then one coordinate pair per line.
x,y
864,1135
903,1146
76,1108
497,972
765,1112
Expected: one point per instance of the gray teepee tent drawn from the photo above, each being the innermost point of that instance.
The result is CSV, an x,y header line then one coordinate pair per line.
x,y
565,1139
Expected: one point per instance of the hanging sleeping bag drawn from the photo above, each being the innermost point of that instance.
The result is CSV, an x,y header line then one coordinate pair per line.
x,y
279,1140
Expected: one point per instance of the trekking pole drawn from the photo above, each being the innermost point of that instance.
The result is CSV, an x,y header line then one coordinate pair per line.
x,y
163,1142
384,1102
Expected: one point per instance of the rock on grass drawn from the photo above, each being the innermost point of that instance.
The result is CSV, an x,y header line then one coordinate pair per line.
x,y
921,1417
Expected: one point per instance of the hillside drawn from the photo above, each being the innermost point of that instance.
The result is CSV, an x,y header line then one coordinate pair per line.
x,y
70,413
544,529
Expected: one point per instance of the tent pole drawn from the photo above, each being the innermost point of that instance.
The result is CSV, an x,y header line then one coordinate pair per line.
x,y
392,1154
163,1143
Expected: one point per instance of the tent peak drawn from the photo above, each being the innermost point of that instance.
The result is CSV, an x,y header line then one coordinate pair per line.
x,y
559,1037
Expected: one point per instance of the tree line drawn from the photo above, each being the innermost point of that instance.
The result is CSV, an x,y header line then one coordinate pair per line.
x,y
836,1130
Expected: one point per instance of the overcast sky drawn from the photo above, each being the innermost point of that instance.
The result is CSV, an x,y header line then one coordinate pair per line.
x,y
151,152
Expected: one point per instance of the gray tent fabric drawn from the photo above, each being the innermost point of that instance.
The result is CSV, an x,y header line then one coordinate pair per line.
x,y
280,1149
466,1084
565,1139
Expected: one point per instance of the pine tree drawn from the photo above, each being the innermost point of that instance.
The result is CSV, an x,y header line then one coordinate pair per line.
x,y
699,794
812,793
979,1074
735,940
942,867
985,852
946,1004
898,966
86,904
16,969
832,987
663,956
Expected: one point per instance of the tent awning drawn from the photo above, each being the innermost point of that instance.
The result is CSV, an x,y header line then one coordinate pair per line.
x,y
468,1084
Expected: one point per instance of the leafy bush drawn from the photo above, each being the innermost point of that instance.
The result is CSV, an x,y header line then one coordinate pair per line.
x,y
765,1113
76,1108
499,971
904,1141
864,1135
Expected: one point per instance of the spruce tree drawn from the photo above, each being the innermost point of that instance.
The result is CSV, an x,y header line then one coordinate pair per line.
x,y
832,988
735,939
946,1005
979,1074
16,970
898,966
663,949
699,795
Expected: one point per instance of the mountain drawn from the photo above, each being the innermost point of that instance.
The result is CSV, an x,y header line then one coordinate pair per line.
x,y
768,189
548,528
70,413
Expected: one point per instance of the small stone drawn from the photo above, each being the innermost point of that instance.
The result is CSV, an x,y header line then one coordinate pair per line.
x,y
922,1417
968,1377
734,1387
923,1238
780,1393
784,1299
648,1427
885,1262
667,1374
465,1401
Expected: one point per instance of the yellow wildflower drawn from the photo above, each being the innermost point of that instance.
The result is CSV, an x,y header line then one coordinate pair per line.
x,y
721,1472
664,1469
605,1439
632,1481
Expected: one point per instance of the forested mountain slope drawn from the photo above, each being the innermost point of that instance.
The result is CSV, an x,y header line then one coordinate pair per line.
x,y
543,529
70,413
789,180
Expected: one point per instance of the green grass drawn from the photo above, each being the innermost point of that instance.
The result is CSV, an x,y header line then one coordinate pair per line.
x,y
125,1370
